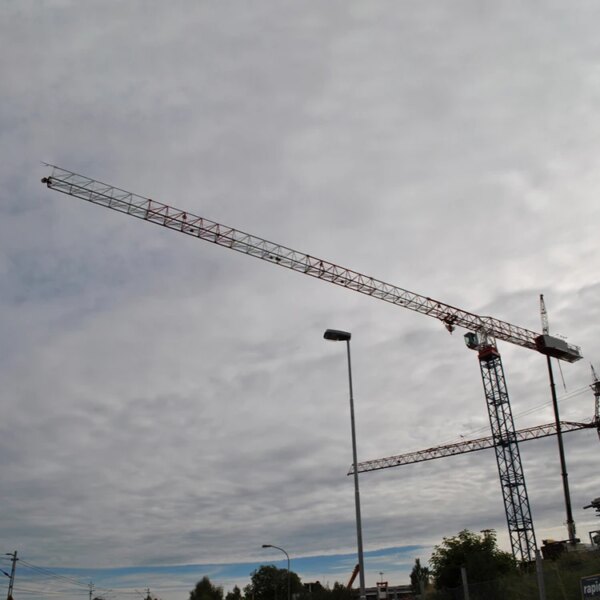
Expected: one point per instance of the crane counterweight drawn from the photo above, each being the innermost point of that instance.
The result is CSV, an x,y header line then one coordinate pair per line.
x,y
557,348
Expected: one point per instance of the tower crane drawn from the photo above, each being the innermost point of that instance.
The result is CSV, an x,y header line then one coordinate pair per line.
x,y
483,331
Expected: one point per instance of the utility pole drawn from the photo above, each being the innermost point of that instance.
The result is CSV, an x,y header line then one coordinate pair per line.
x,y
539,568
91,585
11,583
465,582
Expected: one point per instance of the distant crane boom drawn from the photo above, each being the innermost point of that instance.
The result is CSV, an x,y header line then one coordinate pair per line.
x,y
353,576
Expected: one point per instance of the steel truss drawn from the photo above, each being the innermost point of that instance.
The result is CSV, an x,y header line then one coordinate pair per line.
x,y
466,446
508,457
150,210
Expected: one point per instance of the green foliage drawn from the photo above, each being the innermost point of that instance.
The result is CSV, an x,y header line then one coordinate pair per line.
x,y
319,592
562,577
479,554
493,574
340,592
234,594
419,574
205,590
270,583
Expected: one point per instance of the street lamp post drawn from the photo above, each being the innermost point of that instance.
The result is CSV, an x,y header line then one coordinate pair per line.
x,y
335,335
288,566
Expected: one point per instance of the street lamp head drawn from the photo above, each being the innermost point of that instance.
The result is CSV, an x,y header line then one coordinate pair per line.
x,y
335,335
267,546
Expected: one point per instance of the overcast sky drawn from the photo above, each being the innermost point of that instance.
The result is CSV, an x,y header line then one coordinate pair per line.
x,y
166,402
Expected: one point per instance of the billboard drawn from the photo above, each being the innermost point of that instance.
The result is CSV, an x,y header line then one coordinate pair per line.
x,y
590,587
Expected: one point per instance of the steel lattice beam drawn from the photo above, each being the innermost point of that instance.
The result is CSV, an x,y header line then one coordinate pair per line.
x,y
508,457
120,200
465,446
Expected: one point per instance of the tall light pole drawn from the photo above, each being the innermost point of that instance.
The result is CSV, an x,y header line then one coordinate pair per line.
x,y
335,335
288,568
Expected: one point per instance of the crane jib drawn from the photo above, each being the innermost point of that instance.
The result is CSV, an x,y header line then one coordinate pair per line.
x,y
466,446
106,195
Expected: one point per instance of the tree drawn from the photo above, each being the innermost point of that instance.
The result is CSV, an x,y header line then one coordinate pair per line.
x,y
316,591
205,590
479,554
234,594
270,583
419,577
340,592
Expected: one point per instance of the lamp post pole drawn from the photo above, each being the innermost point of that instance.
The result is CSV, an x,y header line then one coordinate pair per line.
x,y
288,566
344,336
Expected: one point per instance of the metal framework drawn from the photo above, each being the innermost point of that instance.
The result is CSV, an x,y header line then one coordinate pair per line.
x,y
488,328
465,446
508,457
150,210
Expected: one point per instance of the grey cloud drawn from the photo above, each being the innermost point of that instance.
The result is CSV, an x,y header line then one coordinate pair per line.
x,y
159,386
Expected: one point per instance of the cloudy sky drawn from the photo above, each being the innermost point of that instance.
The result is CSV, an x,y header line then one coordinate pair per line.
x,y
166,402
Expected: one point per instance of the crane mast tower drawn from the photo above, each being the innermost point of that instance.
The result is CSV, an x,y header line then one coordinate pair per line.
x,y
482,336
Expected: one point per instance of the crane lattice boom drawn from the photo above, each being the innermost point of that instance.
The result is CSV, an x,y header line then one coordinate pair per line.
x,y
464,446
150,210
